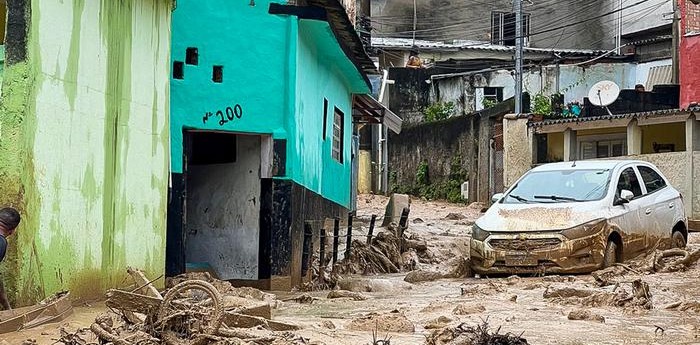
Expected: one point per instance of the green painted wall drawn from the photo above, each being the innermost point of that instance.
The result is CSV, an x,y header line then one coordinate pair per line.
x,y
274,70
84,146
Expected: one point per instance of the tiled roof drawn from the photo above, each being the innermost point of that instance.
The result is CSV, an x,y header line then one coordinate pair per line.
x,y
645,114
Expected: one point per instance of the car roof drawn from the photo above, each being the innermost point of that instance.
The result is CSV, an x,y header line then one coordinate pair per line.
x,y
586,164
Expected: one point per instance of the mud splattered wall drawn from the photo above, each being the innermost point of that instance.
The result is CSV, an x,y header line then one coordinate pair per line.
x,y
84,146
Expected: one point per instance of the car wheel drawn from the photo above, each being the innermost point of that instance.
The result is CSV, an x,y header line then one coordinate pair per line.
x,y
678,239
610,256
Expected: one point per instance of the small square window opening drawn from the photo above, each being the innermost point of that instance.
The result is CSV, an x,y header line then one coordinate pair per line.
x,y
218,74
178,70
192,56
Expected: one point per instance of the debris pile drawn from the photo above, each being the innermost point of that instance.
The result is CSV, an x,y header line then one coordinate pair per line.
x,y
192,312
388,322
639,297
586,315
658,261
479,335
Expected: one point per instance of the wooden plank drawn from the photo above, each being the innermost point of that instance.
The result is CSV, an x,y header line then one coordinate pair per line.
x,y
127,301
147,287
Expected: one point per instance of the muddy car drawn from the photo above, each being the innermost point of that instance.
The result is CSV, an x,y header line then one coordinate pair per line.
x,y
576,217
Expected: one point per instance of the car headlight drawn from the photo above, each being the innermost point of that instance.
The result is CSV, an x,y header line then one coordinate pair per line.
x,y
584,230
479,234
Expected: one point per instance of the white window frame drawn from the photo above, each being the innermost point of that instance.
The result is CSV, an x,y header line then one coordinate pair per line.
x,y
338,134
595,139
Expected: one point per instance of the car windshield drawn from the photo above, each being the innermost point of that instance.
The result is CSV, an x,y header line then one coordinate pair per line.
x,y
560,186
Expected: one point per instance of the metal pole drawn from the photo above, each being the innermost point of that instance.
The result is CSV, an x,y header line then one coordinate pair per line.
x,y
519,41
618,39
415,22
675,44
348,242
336,234
371,229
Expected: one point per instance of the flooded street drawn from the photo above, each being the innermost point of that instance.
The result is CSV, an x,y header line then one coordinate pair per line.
x,y
540,309
510,304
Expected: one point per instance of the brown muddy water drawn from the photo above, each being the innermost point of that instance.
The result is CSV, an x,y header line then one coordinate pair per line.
x,y
512,304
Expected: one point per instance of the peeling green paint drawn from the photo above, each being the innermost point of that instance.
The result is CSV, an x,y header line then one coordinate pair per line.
x,y
115,19
70,191
70,79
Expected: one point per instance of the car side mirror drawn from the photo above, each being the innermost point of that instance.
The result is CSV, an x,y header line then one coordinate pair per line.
x,y
624,198
626,195
496,197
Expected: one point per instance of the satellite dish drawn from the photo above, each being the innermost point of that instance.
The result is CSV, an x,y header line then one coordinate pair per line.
x,y
603,93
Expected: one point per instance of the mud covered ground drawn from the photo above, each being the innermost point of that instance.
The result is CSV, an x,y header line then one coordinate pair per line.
x,y
545,310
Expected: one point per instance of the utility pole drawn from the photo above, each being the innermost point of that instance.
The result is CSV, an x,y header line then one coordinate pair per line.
x,y
675,43
519,38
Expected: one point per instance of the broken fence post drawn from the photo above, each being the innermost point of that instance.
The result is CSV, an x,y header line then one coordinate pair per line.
x,y
322,249
307,245
402,227
348,243
336,235
371,228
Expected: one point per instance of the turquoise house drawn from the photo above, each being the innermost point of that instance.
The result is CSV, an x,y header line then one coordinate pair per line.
x,y
265,101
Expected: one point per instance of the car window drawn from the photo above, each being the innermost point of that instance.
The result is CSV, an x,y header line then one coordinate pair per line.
x,y
628,180
560,186
652,180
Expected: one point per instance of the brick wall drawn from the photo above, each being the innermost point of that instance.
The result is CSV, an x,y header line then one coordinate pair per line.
x,y
692,17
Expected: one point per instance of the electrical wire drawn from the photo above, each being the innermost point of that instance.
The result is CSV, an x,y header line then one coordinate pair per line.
x,y
538,30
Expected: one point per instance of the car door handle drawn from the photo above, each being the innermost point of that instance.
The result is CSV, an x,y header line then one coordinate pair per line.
x,y
671,205
647,211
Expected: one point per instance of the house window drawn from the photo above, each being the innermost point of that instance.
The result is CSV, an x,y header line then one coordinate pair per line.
x,y
602,146
337,151
494,94
503,28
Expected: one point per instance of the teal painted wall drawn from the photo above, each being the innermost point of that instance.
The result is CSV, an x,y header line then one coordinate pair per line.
x,y
278,69
251,46
323,71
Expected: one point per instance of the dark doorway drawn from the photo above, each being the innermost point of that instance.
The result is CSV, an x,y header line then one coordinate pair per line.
x,y
220,206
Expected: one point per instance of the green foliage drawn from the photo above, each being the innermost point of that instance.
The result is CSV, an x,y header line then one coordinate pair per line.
x,y
449,189
438,111
488,103
542,105
422,174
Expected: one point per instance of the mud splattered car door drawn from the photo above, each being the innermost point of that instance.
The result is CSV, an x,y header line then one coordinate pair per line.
x,y
629,216
662,205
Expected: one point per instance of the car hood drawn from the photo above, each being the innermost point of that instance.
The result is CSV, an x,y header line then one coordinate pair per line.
x,y
539,217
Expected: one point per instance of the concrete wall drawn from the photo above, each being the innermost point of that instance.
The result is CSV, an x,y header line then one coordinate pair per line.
x,y
321,74
456,20
574,83
439,145
650,15
223,213
517,149
84,150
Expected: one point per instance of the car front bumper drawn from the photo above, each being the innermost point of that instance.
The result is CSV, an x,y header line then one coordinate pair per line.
x,y
524,253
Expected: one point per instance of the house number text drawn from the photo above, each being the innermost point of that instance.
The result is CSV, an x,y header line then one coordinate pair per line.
x,y
224,116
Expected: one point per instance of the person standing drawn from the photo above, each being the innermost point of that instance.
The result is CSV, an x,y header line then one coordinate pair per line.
x,y
9,220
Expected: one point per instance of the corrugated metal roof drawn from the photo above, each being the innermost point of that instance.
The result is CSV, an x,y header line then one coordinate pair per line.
x,y
659,75
407,44
645,114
